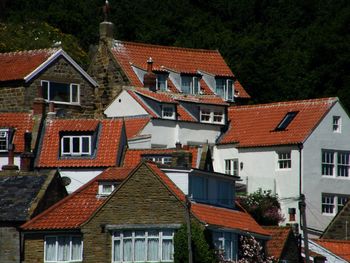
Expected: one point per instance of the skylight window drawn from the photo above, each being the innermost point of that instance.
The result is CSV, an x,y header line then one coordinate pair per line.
x,y
286,120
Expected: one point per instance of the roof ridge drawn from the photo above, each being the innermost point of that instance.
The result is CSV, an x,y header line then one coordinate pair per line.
x,y
285,103
31,51
165,47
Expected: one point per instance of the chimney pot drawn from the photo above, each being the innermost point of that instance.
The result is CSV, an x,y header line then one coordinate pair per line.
x,y
150,79
178,146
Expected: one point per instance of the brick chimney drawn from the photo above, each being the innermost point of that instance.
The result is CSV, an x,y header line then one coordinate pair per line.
x,y
11,157
39,103
27,156
181,159
150,79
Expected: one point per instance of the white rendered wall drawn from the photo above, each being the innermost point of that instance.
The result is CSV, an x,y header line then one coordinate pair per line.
x,y
180,179
4,160
79,178
124,105
314,184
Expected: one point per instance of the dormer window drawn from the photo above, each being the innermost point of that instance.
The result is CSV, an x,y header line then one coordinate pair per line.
x,y
65,93
162,83
168,111
224,88
286,121
189,84
106,188
167,160
4,140
212,115
76,145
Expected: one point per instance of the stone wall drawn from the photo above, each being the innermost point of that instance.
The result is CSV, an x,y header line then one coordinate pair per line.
x,y
131,204
9,244
12,98
34,248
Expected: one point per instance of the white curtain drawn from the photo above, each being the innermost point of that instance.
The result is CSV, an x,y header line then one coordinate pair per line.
x,y
140,249
50,249
63,248
76,248
152,253
167,249
116,250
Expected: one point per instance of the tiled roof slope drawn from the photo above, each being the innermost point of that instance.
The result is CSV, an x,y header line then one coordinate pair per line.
x,y
279,237
22,122
229,218
108,141
253,126
17,193
134,126
134,156
340,248
17,65
72,211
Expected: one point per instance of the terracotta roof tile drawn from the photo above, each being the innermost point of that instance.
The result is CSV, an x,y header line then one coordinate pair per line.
x,y
229,218
255,125
107,143
279,237
134,156
17,65
158,96
204,99
134,126
72,211
240,91
184,115
340,248
22,122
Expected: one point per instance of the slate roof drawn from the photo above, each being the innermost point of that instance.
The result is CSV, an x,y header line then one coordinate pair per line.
x,y
109,135
17,195
22,122
255,125
340,248
279,237
181,60
77,208
17,65
134,156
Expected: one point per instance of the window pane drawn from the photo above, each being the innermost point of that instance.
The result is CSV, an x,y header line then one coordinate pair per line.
x,y
86,145
161,82
76,248
116,251
76,145
50,249
75,93
152,249
127,249
66,145
327,163
140,249
186,84
63,248
327,204
45,89
3,141
59,92
228,246
220,87
167,249
229,90
195,85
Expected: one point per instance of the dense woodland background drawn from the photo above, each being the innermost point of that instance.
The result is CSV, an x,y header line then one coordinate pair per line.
x,y
278,49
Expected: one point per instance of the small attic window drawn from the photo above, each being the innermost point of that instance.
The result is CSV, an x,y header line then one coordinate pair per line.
x,y
286,120
4,140
106,188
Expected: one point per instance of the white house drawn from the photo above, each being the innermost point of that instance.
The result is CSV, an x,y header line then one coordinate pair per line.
x,y
291,148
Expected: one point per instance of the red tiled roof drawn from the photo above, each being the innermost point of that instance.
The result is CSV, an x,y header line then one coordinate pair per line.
x,y
74,210
215,100
158,96
240,91
255,125
17,65
229,218
184,115
107,143
143,105
22,122
134,126
279,237
340,248
134,156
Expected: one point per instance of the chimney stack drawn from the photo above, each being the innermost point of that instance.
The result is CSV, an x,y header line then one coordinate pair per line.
x,y
27,156
11,156
150,79
39,103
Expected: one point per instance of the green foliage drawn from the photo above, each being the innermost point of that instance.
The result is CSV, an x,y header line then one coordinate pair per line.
x,y
202,251
263,207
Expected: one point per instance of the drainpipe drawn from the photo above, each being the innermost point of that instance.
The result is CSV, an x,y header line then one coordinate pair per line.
x,y
300,146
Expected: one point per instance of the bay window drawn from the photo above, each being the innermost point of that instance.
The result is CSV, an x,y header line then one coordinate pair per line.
x,y
66,93
77,145
144,245
190,84
224,88
63,248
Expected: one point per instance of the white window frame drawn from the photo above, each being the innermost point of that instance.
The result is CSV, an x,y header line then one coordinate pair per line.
x,y
336,124
193,81
159,159
208,115
284,160
4,138
165,82
71,138
332,203
232,166
335,164
119,237
70,248
166,110
46,85
228,83
102,188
